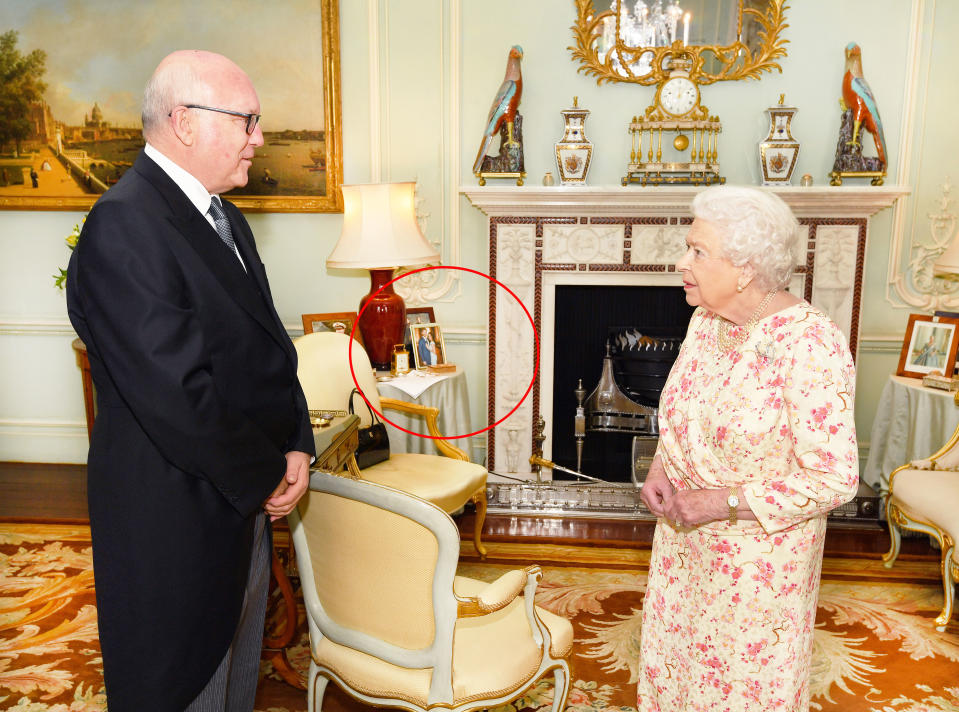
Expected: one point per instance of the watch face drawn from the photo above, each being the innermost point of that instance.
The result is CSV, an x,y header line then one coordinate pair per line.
x,y
732,501
678,95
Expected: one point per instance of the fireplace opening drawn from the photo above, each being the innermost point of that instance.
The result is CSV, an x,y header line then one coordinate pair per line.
x,y
587,318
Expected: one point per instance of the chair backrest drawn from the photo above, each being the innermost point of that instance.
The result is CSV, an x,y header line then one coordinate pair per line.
x,y
324,373
377,568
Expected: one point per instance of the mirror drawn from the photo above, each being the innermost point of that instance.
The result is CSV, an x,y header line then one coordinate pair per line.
x,y
633,40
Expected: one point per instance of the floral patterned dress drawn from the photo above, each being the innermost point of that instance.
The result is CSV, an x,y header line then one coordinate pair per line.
x,y
730,608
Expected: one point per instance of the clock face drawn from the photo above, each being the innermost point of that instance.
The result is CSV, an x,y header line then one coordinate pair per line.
x,y
678,96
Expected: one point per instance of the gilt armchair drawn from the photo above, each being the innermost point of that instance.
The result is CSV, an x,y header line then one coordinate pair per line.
x,y
390,622
924,497
448,480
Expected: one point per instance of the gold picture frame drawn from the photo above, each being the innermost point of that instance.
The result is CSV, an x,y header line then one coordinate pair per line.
x,y
929,346
339,322
299,152
430,332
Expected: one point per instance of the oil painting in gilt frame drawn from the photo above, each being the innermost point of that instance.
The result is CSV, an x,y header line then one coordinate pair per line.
x,y
929,346
71,125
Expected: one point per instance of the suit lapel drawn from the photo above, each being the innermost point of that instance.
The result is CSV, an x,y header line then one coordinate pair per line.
x,y
204,240
245,243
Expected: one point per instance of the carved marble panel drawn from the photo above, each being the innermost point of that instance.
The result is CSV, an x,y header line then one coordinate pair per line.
x,y
834,275
514,356
593,244
658,244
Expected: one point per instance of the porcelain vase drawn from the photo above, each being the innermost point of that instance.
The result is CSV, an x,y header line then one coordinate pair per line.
x,y
574,150
779,150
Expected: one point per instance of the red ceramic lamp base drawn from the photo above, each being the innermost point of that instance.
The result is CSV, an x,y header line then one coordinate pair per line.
x,y
383,319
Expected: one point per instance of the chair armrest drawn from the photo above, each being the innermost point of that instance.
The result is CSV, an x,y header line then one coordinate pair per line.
x,y
430,413
496,595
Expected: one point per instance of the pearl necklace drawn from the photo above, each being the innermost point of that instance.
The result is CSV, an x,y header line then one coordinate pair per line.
x,y
727,342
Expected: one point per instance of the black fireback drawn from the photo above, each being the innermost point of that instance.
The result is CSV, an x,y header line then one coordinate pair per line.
x,y
584,317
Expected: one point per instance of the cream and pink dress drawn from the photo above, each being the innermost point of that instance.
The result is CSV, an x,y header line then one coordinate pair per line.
x,y
730,609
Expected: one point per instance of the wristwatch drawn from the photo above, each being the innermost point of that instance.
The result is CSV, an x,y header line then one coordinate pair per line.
x,y
733,501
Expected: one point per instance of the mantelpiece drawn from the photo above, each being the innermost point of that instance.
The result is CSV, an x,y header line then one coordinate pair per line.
x,y
542,237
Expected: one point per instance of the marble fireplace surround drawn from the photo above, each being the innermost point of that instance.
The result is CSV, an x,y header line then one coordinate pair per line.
x,y
543,237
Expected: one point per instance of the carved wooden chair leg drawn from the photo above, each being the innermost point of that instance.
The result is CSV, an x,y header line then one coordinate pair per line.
x,y
948,584
479,500
895,537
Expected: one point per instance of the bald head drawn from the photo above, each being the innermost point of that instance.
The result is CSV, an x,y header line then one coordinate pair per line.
x,y
210,141
185,76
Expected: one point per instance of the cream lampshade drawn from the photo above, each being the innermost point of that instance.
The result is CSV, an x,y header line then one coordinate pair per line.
x,y
380,233
947,265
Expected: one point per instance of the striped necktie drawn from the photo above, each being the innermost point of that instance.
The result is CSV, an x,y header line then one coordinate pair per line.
x,y
222,225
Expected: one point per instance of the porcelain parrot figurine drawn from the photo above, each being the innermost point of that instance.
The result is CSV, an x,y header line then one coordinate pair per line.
x,y
504,105
857,95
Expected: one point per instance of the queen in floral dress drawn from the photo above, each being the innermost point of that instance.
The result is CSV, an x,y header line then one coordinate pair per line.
x,y
757,443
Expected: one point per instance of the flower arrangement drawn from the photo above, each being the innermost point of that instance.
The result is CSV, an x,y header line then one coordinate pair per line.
x,y
59,281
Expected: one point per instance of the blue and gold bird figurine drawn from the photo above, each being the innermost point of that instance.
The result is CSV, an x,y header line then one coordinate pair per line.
x,y
857,96
504,106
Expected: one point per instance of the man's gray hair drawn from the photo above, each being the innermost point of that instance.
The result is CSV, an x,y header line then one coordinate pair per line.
x,y
171,85
756,227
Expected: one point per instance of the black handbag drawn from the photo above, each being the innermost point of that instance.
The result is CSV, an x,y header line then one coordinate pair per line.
x,y
374,443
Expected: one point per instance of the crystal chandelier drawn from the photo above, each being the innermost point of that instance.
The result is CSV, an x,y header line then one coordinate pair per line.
x,y
648,25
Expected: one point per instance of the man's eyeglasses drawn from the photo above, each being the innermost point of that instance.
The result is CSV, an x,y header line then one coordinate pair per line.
x,y
251,119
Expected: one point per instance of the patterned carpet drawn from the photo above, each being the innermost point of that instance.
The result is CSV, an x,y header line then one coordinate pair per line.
x,y
876,648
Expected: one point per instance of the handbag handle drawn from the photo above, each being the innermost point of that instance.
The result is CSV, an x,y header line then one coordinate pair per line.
x,y
373,418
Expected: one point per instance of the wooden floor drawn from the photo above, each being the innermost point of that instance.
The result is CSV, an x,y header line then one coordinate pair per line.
x,y
32,492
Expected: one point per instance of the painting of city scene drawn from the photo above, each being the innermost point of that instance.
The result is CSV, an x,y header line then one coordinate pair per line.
x,y
70,112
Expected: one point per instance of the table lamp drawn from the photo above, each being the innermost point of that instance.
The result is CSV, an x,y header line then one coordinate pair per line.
x,y
380,233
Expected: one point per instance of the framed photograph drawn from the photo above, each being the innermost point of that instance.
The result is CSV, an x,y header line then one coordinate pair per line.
x,y
428,346
76,128
416,315
340,322
929,346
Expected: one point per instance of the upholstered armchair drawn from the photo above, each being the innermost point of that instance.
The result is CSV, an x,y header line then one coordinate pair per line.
x,y
924,497
448,480
390,622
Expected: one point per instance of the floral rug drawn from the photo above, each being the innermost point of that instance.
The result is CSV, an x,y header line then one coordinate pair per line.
x,y
876,647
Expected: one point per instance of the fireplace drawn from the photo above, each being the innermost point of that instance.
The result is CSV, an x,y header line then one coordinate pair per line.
x,y
545,240
621,322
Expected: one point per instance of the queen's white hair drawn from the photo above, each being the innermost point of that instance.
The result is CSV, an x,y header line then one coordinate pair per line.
x,y
171,85
755,227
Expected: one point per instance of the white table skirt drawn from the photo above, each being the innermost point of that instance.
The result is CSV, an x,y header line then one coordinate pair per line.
x,y
912,422
450,395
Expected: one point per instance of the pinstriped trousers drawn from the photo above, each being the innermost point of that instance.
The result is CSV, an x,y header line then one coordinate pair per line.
x,y
233,686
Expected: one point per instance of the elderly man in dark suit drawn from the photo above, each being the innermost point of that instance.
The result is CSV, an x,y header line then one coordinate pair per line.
x,y
202,434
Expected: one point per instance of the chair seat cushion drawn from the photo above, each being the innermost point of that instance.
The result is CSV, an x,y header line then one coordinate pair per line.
x,y
447,483
492,655
930,496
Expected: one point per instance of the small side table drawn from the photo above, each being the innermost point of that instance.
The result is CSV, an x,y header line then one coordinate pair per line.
x,y
911,423
335,448
450,395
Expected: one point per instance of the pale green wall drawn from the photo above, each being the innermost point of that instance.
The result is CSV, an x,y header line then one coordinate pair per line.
x,y
427,128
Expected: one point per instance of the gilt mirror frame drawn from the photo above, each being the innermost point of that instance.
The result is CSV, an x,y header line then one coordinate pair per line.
x,y
737,61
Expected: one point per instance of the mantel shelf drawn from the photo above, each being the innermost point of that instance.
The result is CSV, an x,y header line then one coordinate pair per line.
x,y
839,201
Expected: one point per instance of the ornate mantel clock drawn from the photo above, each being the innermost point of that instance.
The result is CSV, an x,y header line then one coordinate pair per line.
x,y
689,151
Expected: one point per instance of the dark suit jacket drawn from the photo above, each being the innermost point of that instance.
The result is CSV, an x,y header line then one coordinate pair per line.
x,y
423,350
198,402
